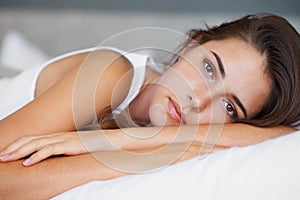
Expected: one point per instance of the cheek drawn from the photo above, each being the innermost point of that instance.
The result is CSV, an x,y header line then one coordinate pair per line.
x,y
187,73
178,77
210,115
176,86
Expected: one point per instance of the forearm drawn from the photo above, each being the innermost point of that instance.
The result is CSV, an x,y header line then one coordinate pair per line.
x,y
56,175
227,136
51,177
62,173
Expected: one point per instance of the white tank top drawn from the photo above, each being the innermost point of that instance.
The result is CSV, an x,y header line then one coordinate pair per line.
x,y
19,90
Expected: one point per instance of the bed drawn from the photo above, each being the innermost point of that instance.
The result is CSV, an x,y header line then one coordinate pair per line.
x,y
269,170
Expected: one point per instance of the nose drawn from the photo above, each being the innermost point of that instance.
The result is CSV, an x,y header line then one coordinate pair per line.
x,y
203,96
199,103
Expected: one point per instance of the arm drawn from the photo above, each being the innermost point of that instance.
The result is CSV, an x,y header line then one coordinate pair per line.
x,y
51,177
52,111
64,173
227,135
131,139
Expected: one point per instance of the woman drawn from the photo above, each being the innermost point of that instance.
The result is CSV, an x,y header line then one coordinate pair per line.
x,y
243,71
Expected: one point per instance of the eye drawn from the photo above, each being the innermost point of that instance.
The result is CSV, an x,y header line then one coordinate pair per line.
x,y
209,69
230,109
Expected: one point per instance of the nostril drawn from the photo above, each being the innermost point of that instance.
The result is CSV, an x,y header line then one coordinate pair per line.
x,y
195,103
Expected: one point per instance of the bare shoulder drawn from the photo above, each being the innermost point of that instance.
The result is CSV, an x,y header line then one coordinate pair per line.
x,y
89,86
104,68
111,72
55,71
108,60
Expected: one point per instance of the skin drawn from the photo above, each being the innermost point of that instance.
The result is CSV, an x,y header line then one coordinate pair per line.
x,y
62,173
51,132
201,95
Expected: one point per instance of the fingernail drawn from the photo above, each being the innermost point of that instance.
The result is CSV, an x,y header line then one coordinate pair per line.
x,y
27,162
4,156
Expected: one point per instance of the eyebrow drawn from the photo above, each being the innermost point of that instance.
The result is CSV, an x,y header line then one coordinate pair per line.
x,y
222,71
239,103
220,64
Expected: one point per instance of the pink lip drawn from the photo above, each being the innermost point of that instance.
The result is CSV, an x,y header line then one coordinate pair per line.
x,y
174,111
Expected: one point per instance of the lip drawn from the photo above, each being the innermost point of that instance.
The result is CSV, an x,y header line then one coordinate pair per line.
x,y
174,111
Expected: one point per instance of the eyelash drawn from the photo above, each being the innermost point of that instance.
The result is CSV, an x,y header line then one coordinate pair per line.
x,y
233,115
211,75
212,68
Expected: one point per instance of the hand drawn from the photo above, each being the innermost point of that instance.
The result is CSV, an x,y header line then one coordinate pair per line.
x,y
42,147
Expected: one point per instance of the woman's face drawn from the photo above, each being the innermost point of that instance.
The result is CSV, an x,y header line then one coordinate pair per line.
x,y
217,82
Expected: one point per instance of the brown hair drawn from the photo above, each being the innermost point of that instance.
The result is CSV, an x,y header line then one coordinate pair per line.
x,y
276,38
272,36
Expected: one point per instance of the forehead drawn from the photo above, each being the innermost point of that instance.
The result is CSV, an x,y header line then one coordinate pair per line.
x,y
245,72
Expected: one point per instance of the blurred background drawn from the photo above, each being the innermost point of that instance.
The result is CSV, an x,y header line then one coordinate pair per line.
x,y
281,6
59,26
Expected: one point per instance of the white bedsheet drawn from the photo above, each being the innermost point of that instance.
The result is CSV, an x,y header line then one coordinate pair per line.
x,y
269,170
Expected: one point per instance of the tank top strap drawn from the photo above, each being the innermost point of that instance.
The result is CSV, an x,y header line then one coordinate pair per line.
x,y
139,63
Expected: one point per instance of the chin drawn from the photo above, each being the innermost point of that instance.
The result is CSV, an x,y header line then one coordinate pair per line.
x,y
158,116
158,122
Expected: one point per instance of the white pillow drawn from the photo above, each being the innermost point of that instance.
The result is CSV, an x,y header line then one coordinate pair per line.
x,y
19,53
269,170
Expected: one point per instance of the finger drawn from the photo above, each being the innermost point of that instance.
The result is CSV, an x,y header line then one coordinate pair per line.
x,y
42,154
27,149
17,144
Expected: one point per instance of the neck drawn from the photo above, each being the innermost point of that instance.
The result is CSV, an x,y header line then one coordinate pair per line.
x,y
139,107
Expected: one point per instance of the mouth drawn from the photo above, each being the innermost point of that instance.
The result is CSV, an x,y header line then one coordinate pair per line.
x,y
174,111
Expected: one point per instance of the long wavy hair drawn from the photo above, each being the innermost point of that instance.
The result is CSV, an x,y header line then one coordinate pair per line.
x,y
274,37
